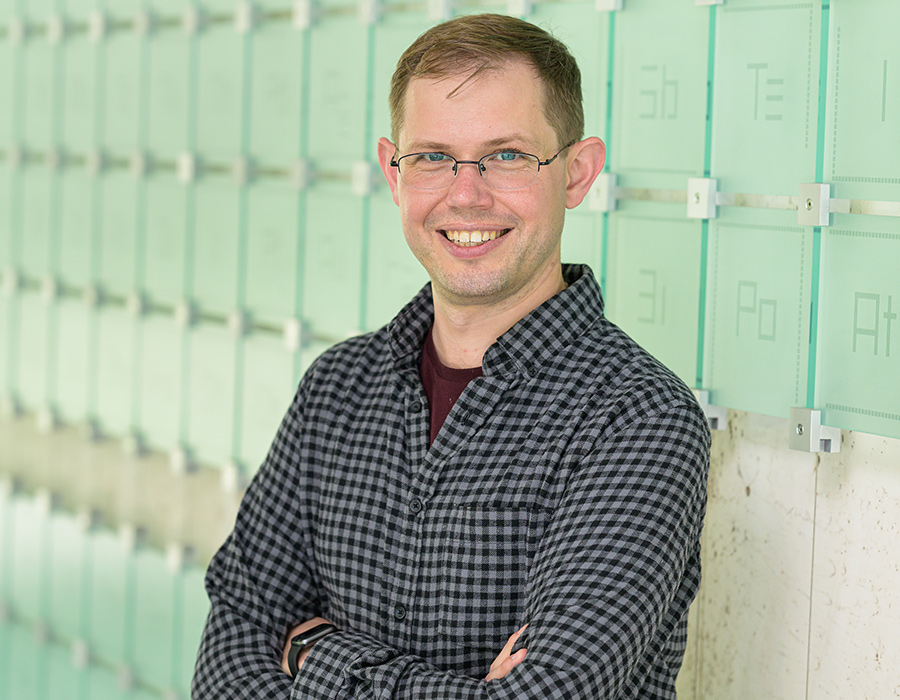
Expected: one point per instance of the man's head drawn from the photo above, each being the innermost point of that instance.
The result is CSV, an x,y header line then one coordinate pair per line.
x,y
474,44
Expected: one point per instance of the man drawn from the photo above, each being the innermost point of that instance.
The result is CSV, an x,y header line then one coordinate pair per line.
x,y
499,455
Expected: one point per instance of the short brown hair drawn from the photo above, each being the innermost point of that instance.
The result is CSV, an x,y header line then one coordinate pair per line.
x,y
476,43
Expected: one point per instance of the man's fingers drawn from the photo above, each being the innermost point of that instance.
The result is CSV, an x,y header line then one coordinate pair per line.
x,y
508,664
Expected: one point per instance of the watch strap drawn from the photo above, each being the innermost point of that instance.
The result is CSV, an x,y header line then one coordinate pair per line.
x,y
302,641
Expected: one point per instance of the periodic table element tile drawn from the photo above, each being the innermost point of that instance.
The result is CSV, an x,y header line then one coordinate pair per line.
x,y
121,91
863,109
858,350
110,614
162,354
582,239
73,359
40,106
268,388
154,617
393,34
757,313
654,284
169,92
211,377
337,93
274,244
68,559
395,276
215,250
77,221
115,370
80,93
194,612
28,537
220,70
168,209
33,353
765,96
118,232
333,265
276,91
586,32
37,189
659,93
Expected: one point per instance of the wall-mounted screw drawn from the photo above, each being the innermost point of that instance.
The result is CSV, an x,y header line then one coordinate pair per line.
x,y
799,428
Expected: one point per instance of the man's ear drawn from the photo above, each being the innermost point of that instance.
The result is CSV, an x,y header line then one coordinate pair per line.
x,y
583,163
386,151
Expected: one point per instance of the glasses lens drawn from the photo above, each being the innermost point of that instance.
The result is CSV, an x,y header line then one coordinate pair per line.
x,y
426,171
509,170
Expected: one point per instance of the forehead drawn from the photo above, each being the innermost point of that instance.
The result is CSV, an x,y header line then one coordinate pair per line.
x,y
494,106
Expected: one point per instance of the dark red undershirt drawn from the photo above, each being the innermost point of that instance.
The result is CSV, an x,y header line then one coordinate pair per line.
x,y
443,385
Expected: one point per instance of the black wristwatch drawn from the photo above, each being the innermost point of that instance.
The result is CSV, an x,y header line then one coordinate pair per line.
x,y
305,639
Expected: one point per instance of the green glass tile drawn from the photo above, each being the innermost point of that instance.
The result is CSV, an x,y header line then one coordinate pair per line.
x,y
66,546
273,244
161,383
37,189
28,559
62,678
40,103
121,59
79,94
858,350
659,94
586,32
337,93
276,88
654,284
216,245
757,318
165,238
168,92
107,599
118,232
33,350
863,110
765,96
333,261
7,344
394,276
582,239
196,608
6,204
27,675
8,66
103,684
267,392
76,224
115,367
220,70
6,643
73,359
211,394
154,618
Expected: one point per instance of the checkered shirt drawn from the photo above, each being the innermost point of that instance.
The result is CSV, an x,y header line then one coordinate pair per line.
x,y
566,489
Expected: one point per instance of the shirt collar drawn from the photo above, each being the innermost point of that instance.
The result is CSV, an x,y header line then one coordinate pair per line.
x,y
540,335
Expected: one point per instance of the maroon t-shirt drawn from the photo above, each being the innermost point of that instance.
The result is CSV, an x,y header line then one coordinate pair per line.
x,y
443,385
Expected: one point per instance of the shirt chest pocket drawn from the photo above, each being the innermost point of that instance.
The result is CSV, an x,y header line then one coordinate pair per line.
x,y
480,566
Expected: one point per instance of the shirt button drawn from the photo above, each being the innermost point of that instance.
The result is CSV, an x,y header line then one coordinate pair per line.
x,y
415,406
415,506
399,612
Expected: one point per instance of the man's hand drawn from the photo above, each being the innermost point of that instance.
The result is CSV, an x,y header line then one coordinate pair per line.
x,y
504,663
294,631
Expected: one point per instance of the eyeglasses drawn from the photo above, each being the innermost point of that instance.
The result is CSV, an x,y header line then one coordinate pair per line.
x,y
504,170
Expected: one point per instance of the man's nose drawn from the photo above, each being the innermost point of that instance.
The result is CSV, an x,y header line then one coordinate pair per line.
x,y
468,187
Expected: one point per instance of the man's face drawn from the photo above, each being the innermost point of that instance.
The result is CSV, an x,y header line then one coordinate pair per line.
x,y
498,110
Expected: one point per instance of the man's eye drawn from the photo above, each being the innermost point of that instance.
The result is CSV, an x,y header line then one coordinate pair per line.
x,y
507,156
435,157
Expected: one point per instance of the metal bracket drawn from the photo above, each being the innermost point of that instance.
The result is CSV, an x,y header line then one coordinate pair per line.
x,y
709,2
440,10
518,8
301,175
363,178
303,14
814,208
368,11
716,415
181,462
245,17
603,193
701,197
809,435
608,5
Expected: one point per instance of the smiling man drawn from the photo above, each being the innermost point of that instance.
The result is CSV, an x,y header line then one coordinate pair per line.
x,y
499,494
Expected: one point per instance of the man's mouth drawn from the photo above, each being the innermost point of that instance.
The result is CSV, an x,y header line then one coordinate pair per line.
x,y
467,239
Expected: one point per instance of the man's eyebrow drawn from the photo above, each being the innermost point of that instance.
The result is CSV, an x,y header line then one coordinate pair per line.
x,y
510,141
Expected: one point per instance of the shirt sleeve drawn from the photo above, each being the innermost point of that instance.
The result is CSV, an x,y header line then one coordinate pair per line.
x,y
262,579
614,574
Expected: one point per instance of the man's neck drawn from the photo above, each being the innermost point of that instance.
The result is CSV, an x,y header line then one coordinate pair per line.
x,y
463,333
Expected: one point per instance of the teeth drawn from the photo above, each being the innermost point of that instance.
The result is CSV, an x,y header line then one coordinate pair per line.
x,y
467,239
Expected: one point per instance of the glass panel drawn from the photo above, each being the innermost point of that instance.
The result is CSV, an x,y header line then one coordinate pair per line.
x,y
161,381
79,94
73,359
122,70
582,240
37,188
65,576
108,607
216,245
39,97
27,538
211,393
77,264
168,99
219,84
118,232
154,619
33,351
115,365
167,203
196,607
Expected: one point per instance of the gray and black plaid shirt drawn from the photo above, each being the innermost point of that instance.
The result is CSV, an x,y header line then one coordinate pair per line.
x,y
566,489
